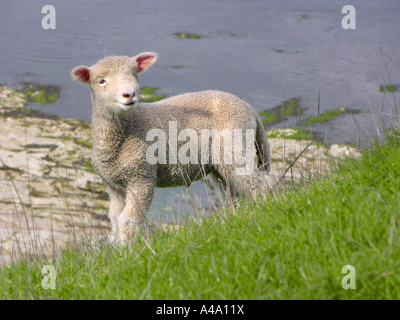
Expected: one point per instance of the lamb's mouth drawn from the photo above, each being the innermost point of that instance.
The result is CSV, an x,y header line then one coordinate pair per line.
x,y
128,104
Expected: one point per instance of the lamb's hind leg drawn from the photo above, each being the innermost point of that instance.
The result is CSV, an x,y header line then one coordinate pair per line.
x,y
132,221
251,185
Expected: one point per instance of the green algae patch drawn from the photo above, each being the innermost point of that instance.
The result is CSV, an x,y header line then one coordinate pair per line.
x,y
280,113
267,117
86,144
37,193
388,88
184,35
8,168
292,107
41,93
148,95
289,133
327,116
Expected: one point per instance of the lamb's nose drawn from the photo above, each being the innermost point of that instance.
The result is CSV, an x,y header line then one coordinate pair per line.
x,y
128,95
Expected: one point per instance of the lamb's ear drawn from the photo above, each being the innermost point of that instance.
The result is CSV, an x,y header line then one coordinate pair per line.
x,y
145,60
81,74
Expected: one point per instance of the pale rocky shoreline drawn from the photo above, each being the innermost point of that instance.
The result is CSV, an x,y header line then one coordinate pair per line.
x,y
49,194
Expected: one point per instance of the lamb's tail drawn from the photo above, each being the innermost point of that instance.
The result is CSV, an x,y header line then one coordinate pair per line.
x,y
262,147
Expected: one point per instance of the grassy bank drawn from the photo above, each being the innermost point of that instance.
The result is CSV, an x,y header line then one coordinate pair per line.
x,y
292,246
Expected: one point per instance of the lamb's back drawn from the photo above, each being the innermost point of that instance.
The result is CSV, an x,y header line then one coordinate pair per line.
x,y
201,110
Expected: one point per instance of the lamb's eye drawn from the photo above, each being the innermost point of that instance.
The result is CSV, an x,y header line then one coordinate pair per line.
x,y
102,82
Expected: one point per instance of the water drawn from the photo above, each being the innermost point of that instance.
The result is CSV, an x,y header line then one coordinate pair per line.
x,y
263,51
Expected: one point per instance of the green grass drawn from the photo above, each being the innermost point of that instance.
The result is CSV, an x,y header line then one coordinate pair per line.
x,y
292,246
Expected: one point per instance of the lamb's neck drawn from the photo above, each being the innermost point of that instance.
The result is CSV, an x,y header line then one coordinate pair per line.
x,y
108,132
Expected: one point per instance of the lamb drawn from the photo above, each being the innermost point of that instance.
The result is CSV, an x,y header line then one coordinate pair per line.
x,y
121,126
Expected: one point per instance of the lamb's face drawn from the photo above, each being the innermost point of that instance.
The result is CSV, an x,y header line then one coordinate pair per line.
x,y
114,83
113,80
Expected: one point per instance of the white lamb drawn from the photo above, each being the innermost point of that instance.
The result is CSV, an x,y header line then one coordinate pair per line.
x,y
121,127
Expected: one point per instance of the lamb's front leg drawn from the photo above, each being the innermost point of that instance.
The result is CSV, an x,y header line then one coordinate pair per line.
x,y
117,204
132,221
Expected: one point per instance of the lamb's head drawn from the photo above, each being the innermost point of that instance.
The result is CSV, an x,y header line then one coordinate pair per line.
x,y
113,80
